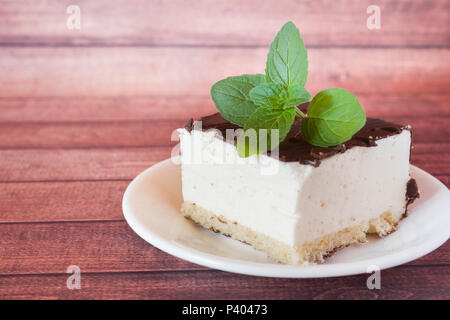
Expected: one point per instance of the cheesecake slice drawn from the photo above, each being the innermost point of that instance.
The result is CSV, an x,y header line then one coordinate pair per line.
x,y
303,205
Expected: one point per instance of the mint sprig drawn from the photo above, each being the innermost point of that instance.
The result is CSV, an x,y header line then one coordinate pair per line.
x,y
262,103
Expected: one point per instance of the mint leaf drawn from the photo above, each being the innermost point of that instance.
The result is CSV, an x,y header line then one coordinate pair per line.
x,y
295,96
287,61
269,119
264,118
268,95
271,95
334,116
231,97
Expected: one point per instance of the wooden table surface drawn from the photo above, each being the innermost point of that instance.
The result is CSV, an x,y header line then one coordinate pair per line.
x,y
82,112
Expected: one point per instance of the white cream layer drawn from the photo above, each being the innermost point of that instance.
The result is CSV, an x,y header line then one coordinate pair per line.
x,y
298,203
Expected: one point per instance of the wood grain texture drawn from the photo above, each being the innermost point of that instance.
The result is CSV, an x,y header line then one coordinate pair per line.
x,y
46,248
78,164
122,71
402,282
224,22
152,133
151,121
90,134
49,248
61,201
115,109
125,163
78,109
67,201
82,112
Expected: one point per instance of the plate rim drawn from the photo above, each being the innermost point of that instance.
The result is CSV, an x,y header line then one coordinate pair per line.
x,y
272,270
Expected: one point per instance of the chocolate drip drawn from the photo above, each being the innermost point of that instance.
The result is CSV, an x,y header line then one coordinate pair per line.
x,y
412,193
294,148
189,125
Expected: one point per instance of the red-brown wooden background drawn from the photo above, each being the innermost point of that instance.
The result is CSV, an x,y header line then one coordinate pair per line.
x,y
82,112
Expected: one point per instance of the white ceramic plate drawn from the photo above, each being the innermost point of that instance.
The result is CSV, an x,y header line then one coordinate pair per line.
x,y
151,207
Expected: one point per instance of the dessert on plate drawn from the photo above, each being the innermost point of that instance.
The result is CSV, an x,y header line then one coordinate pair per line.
x,y
295,178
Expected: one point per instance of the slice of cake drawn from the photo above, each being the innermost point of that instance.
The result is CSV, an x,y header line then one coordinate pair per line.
x,y
294,177
319,199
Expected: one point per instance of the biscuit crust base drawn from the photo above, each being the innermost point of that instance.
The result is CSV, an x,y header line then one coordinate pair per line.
x,y
310,252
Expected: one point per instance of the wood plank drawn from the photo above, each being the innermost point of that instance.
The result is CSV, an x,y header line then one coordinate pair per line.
x,y
61,201
397,283
151,133
121,71
427,129
126,163
432,163
68,201
78,164
421,149
46,248
76,109
94,247
91,135
224,22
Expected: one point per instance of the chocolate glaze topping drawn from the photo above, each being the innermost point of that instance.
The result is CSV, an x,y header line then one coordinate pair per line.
x,y
294,148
